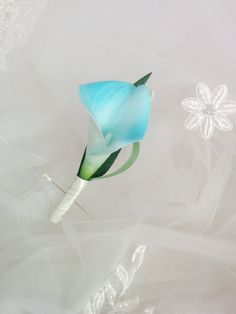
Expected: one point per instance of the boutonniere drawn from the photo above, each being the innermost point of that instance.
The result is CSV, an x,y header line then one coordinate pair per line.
x,y
119,113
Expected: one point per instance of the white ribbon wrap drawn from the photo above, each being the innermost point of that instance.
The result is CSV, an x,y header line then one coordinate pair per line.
x,y
70,196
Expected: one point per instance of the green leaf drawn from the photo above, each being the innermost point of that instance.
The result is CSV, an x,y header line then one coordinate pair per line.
x,y
143,80
131,160
82,160
106,165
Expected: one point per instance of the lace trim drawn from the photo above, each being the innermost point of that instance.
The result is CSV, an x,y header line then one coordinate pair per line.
x,y
16,20
110,298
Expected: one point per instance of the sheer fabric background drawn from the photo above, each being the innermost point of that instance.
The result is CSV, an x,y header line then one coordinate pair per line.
x,y
177,202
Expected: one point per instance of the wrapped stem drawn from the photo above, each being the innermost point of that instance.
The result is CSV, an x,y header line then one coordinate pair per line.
x,y
70,196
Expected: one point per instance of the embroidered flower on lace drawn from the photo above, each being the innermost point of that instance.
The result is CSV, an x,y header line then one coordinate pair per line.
x,y
16,20
110,298
209,110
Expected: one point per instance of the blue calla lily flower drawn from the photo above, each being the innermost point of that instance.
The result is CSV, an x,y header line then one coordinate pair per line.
x,y
120,114
119,109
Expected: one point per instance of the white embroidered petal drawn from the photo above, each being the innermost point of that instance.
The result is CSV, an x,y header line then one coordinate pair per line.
x,y
207,127
203,93
192,105
222,122
219,94
88,309
110,293
123,276
227,107
98,301
138,256
194,121
127,305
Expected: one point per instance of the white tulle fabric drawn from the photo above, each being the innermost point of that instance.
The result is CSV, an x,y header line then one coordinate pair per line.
x,y
175,206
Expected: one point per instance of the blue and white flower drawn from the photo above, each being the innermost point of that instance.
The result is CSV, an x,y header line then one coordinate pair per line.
x,y
119,114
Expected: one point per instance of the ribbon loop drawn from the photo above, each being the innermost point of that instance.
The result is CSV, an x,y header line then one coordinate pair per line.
x,y
130,161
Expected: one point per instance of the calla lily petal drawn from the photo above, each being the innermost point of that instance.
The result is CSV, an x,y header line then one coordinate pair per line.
x,y
97,143
97,151
119,109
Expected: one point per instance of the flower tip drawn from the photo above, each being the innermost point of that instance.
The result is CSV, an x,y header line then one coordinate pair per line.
x,y
148,75
143,80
